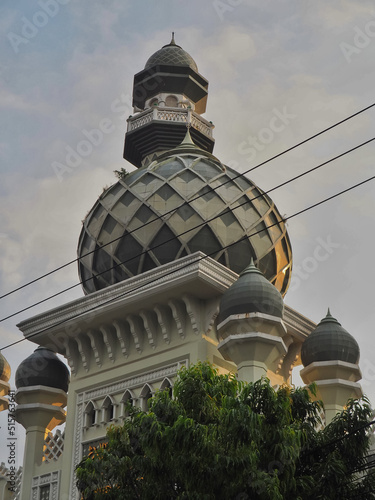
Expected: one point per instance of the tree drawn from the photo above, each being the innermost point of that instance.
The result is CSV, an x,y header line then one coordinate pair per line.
x,y
219,438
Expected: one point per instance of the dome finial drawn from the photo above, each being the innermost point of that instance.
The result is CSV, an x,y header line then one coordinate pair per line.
x,y
187,139
173,40
329,318
251,268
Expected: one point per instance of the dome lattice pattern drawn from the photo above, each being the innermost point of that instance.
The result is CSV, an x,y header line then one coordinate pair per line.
x,y
170,183
172,55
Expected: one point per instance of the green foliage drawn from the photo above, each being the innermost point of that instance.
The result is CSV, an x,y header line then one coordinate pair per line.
x,y
121,174
219,438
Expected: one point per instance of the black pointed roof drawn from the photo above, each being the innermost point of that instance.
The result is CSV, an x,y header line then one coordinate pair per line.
x,y
329,342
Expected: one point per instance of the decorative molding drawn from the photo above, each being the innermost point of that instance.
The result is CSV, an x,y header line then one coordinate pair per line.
x,y
70,354
109,342
150,327
122,337
52,479
297,323
140,380
95,345
84,351
196,263
193,308
212,311
16,479
136,331
178,313
164,319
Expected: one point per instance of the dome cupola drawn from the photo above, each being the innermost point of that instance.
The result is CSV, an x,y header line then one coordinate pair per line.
x,y
251,293
329,342
43,367
171,55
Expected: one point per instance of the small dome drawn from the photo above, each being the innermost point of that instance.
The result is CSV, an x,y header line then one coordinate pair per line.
x,y
43,367
252,292
4,369
329,342
172,55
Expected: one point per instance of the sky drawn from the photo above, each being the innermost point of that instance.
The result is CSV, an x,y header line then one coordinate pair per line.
x,y
279,72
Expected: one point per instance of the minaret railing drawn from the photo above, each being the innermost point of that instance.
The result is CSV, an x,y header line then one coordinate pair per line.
x,y
179,115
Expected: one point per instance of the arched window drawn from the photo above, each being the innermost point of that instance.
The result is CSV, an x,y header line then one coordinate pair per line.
x,y
108,410
145,395
127,400
166,385
90,414
154,102
171,101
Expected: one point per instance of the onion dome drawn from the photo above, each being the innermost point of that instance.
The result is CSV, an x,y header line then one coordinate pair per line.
x,y
251,293
329,342
184,201
173,55
4,369
43,367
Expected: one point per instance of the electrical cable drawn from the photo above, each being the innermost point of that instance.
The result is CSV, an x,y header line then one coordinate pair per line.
x,y
228,210
239,175
354,186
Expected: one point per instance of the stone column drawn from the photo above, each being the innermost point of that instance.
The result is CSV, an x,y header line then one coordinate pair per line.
x,y
253,341
336,381
39,410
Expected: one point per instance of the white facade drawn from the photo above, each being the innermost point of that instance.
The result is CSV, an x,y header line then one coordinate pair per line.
x,y
129,341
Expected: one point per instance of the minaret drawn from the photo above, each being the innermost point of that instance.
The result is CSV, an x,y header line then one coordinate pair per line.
x,y
330,356
181,199
42,384
168,95
250,326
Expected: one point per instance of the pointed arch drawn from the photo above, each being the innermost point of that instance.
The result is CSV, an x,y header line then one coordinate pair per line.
x,y
90,414
108,409
146,394
167,385
128,399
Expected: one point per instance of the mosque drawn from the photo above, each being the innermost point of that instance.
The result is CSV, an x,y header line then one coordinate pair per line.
x,y
181,260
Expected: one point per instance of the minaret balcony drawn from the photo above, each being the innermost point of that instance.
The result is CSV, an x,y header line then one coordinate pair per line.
x,y
181,115
162,128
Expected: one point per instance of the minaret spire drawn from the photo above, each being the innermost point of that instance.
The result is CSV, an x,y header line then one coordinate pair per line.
x,y
173,40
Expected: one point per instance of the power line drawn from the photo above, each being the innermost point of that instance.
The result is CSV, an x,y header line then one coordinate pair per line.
x,y
354,186
228,210
239,175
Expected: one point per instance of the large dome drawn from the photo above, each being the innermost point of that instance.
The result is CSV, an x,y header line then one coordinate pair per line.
x,y
185,200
